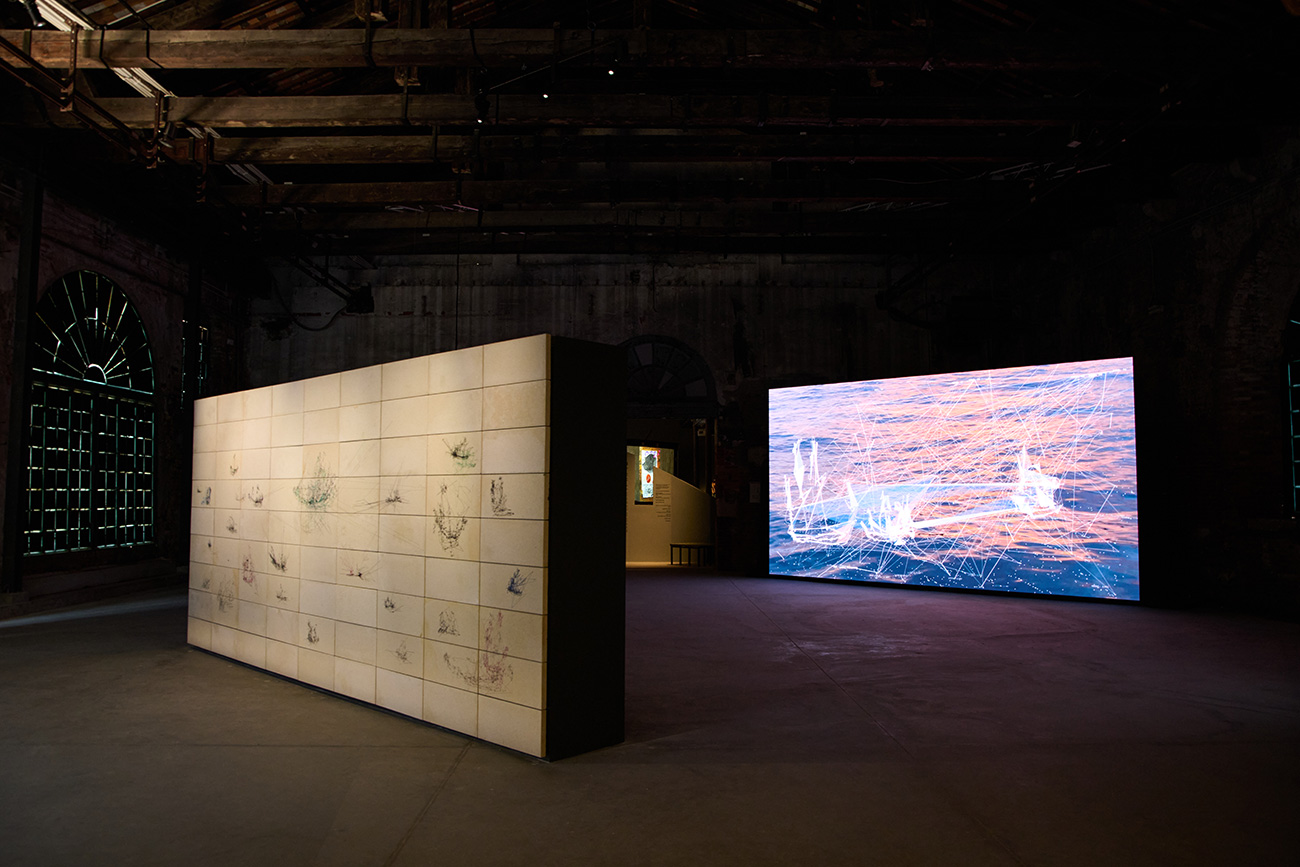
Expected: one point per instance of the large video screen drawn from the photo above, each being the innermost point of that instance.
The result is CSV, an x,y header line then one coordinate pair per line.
x,y
1017,480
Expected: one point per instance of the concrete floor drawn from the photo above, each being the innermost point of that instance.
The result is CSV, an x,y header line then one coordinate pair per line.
x,y
768,722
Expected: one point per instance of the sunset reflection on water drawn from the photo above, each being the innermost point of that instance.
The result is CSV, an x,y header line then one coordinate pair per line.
x,y
1021,479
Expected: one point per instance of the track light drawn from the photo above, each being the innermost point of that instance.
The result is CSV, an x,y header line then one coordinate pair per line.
x,y
482,106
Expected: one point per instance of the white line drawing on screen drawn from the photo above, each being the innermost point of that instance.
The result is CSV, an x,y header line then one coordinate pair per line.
x,y
1021,479
887,511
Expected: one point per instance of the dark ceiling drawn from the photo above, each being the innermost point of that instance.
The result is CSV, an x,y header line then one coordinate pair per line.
x,y
646,126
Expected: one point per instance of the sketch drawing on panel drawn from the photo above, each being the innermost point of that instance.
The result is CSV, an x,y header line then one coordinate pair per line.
x,y
447,622
463,667
403,653
312,636
226,595
394,496
451,515
518,585
247,572
254,496
206,499
497,493
495,673
234,465
280,561
363,567
462,454
230,527
317,492
489,669
397,494
391,605
280,594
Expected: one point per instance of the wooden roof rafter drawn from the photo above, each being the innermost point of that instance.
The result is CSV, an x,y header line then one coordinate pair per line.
x,y
809,111
696,49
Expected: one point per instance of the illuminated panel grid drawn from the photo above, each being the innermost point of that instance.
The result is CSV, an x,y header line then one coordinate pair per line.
x,y
382,533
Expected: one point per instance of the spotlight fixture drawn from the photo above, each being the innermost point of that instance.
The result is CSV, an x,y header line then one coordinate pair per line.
x,y
481,106
611,70
34,14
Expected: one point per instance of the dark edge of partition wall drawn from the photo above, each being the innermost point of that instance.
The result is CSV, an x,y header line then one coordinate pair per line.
x,y
586,577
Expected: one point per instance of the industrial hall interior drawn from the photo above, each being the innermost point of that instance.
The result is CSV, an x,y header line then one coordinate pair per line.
x,y
664,432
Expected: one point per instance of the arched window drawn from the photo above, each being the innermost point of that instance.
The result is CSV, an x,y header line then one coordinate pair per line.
x,y
90,445
665,377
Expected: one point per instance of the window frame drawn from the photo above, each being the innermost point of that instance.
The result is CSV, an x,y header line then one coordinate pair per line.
x,y
91,440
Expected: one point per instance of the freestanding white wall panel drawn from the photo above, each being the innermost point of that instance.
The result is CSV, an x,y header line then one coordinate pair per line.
x,y
383,533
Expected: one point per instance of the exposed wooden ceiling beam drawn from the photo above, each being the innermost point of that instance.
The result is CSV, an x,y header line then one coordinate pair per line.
x,y
614,241
700,49
625,110
534,193
646,220
424,148
884,238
